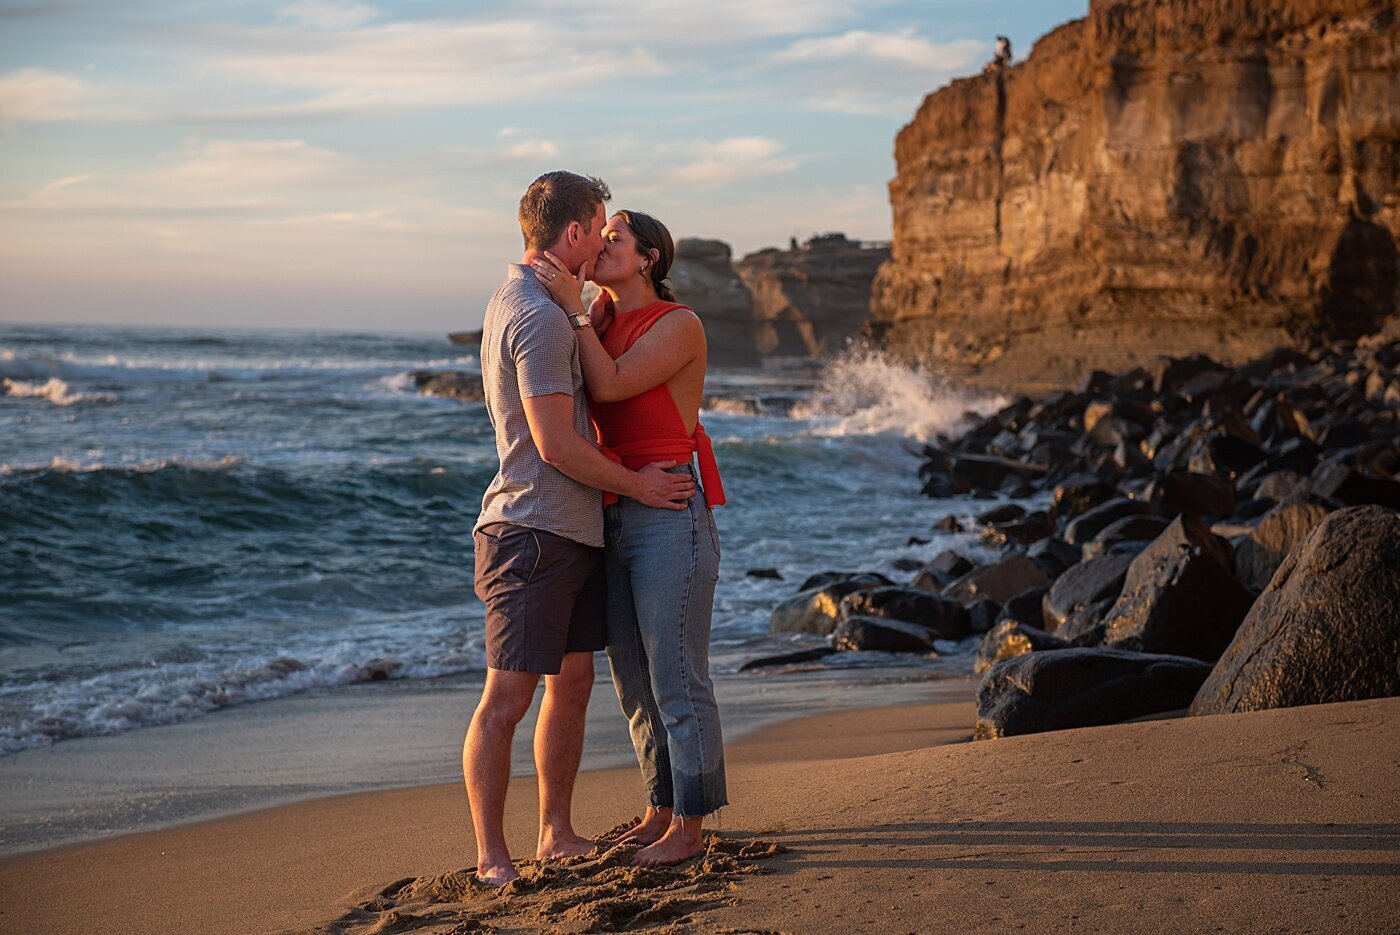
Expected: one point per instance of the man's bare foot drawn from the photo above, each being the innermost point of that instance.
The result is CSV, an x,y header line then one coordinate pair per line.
x,y
677,844
497,875
557,848
651,828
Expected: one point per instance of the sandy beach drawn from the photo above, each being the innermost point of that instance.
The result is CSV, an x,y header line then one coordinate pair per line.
x,y
1278,821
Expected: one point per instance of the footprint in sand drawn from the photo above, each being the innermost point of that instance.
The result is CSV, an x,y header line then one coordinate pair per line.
x,y
601,891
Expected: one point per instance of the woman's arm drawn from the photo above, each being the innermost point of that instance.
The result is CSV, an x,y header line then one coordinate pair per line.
x,y
674,341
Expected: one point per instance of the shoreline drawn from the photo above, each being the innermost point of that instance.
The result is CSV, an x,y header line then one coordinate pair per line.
x,y
890,823
359,738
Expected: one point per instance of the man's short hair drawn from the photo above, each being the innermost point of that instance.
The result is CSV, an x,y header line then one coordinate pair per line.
x,y
555,199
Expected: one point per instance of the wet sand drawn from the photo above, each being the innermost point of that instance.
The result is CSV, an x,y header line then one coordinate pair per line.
x,y
1269,822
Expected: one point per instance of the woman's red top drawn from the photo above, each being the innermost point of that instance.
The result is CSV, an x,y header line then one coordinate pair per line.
x,y
648,427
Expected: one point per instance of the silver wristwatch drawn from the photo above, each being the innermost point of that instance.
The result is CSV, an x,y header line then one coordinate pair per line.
x,y
581,320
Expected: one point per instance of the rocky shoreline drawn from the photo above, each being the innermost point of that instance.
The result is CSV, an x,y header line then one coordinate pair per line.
x,y
1213,539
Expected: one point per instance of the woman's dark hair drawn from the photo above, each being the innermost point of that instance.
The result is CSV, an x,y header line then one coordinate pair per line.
x,y
652,235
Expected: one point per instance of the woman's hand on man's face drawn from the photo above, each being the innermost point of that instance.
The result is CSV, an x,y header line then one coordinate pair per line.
x,y
565,288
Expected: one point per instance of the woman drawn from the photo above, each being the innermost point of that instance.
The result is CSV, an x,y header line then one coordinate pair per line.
x,y
645,375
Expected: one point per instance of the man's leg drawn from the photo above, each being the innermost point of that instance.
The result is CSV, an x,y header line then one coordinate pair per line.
x,y
558,750
486,767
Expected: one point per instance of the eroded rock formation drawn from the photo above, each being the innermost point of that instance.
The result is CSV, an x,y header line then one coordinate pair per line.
x,y
1159,178
704,278
810,299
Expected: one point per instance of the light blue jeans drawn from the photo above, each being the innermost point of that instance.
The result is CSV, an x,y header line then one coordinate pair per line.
x,y
662,566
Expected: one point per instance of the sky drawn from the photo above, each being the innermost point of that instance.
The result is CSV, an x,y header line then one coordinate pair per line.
x,y
346,164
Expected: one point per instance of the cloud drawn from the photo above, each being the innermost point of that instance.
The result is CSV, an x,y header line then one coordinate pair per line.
x,y
704,164
36,94
256,166
328,14
865,71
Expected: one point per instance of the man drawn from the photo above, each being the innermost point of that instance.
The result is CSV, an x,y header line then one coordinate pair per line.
x,y
540,534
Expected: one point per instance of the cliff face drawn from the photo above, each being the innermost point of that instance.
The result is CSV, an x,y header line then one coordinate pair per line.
x,y
1160,178
810,299
703,277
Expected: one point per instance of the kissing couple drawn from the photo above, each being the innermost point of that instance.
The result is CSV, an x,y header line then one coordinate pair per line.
x,y
591,540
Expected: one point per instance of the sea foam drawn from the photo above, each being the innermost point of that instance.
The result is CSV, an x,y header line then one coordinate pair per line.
x,y
867,393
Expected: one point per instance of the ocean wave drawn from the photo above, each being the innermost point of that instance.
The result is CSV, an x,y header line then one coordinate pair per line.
x,y
114,370
61,465
115,702
867,393
54,390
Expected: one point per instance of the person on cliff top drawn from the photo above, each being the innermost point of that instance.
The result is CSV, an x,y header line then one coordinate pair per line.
x,y
644,368
539,537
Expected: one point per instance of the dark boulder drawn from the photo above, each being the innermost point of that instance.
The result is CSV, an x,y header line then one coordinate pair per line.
x,y
1025,608
999,582
1002,514
1267,543
945,618
1326,629
771,573
1057,689
990,472
822,578
1088,525
1143,528
865,634
1188,492
1078,494
1091,582
945,568
788,659
815,610
1011,638
1277,485
1343,483
982,615
1179,596
1054,555
1030,528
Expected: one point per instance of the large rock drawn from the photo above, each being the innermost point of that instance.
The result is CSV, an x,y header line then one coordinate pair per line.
x,y
1098,579
1011,638
1268,542
1058,689
999,582
703,277
815,610
1179,596
807,301
865,634
1156,179
1326,629
945,618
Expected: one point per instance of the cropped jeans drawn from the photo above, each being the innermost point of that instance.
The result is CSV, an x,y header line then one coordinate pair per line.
x,y
662,566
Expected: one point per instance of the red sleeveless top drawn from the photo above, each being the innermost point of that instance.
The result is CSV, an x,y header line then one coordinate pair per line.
x,y
648,427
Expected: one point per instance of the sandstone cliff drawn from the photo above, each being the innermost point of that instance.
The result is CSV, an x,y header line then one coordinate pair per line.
x,y
1159,178
808,300
703,277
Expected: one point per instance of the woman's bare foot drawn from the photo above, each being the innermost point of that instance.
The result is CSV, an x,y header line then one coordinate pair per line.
x,y
557,848
651,829
497,875
681,841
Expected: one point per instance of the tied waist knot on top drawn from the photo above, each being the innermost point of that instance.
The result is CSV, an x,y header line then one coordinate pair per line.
x,y
638,454
648,427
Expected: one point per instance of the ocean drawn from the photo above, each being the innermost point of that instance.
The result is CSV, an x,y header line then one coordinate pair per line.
x,y
196,519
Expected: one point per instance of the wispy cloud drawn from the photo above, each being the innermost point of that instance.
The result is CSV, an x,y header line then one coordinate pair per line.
x,y
328,14
40,95
865,71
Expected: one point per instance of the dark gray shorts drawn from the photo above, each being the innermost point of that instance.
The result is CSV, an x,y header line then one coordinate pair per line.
x,y
545,596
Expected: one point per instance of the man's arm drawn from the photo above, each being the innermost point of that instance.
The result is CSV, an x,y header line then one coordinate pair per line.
x,y
551,419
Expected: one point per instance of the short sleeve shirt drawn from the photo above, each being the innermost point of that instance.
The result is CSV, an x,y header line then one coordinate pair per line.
x,y
528,348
